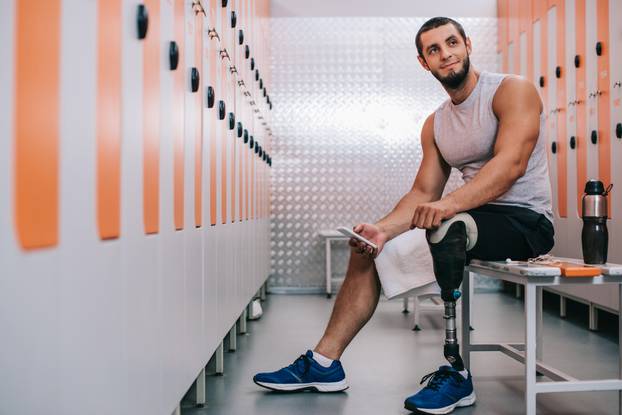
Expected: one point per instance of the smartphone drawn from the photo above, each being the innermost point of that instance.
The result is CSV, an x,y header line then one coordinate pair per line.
x,y
347,232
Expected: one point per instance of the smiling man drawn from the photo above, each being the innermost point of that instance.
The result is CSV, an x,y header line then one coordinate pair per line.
x,y
492,129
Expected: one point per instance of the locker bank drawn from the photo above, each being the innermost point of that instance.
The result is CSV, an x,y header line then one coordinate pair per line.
x,y
293,207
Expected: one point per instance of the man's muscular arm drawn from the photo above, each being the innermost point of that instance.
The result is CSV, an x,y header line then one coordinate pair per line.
x,y
428,186
517,107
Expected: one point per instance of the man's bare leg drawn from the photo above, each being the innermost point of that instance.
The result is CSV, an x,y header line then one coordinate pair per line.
x,y
354,306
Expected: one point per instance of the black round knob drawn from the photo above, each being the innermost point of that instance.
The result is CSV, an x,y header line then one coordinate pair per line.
x,y
240,129
554,147
558,72
224,3
195,78
142,21
241,37
252,64
594,136
247,52
270,162
173,55
260,83
619,130
245,136
231,121
256,74
263,158
599,48
234,19
265,92
221,110
542,82
256,147
251,143
577,61
270,106
211,97
573,142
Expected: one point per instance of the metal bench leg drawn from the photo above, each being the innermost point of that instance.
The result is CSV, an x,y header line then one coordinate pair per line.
x,y
530,348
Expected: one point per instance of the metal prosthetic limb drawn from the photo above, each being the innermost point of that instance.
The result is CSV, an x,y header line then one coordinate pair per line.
x,y
448,246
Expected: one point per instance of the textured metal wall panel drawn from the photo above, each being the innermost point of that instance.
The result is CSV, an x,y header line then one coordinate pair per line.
x,y
350,99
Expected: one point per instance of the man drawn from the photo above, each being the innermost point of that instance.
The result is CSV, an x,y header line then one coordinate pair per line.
x,y
492,129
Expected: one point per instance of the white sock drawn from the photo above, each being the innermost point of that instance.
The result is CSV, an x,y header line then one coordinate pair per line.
x,y
465,373
322,360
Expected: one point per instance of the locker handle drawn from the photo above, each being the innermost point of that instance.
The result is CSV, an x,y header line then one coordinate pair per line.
x,y
268,99
270,106
251,143
558,72
194,79
599,48
263,157
256,74
245,136
594,136
210,97
619,130
577,61
256,148
260,83
240,129
173,55
231,121
573,142
224,3
247,52
234,19
241,37
542,82
221,110
265,93
554,147
252,64
142,21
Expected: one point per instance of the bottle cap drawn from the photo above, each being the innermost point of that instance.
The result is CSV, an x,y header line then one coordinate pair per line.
x,y
594,187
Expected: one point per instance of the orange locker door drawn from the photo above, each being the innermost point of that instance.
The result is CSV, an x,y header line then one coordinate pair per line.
x,y
37,113
603,92
109,118
178,113
197,74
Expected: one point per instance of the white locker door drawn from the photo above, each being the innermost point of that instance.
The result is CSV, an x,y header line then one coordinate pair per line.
x,y
592,86
573,222
615,225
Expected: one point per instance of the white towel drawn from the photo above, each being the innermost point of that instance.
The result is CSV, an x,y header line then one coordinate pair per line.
x,y
405,263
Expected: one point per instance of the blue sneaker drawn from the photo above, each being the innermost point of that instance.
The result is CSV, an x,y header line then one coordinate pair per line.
x,y
446,390
305,374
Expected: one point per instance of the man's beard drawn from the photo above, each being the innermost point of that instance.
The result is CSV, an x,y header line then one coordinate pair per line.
x,y
454,80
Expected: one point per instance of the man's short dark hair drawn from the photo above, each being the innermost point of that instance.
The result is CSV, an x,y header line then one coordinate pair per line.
x,y
433,23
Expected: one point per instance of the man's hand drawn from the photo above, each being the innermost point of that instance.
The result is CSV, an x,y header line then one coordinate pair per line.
x,y
430,215
373,234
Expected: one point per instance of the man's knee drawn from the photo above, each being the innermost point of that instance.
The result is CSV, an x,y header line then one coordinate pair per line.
x,y
448,246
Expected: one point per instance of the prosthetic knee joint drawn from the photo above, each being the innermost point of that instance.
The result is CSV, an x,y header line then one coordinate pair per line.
x,y
449,245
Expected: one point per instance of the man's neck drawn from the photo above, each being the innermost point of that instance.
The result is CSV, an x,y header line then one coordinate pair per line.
x,y
461,93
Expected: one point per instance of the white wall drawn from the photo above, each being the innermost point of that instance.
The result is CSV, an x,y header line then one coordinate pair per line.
x,y
385,8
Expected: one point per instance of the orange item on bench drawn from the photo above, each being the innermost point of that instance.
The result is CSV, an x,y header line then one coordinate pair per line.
x,y
571,269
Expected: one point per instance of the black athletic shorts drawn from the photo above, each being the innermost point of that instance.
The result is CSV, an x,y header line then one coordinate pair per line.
x,y
510,232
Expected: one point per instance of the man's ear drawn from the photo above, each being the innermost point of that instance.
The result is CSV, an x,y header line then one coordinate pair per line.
x,y
468,45
423,63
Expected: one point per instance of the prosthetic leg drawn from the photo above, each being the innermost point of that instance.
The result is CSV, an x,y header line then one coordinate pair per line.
x,y
449,245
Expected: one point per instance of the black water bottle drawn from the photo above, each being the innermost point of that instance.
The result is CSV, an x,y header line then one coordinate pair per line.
x,y
594,237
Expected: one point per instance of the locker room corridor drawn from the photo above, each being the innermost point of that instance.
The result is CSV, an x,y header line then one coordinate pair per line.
x,y
386,361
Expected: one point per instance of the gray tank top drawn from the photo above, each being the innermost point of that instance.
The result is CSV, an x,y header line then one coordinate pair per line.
x,y
465,135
